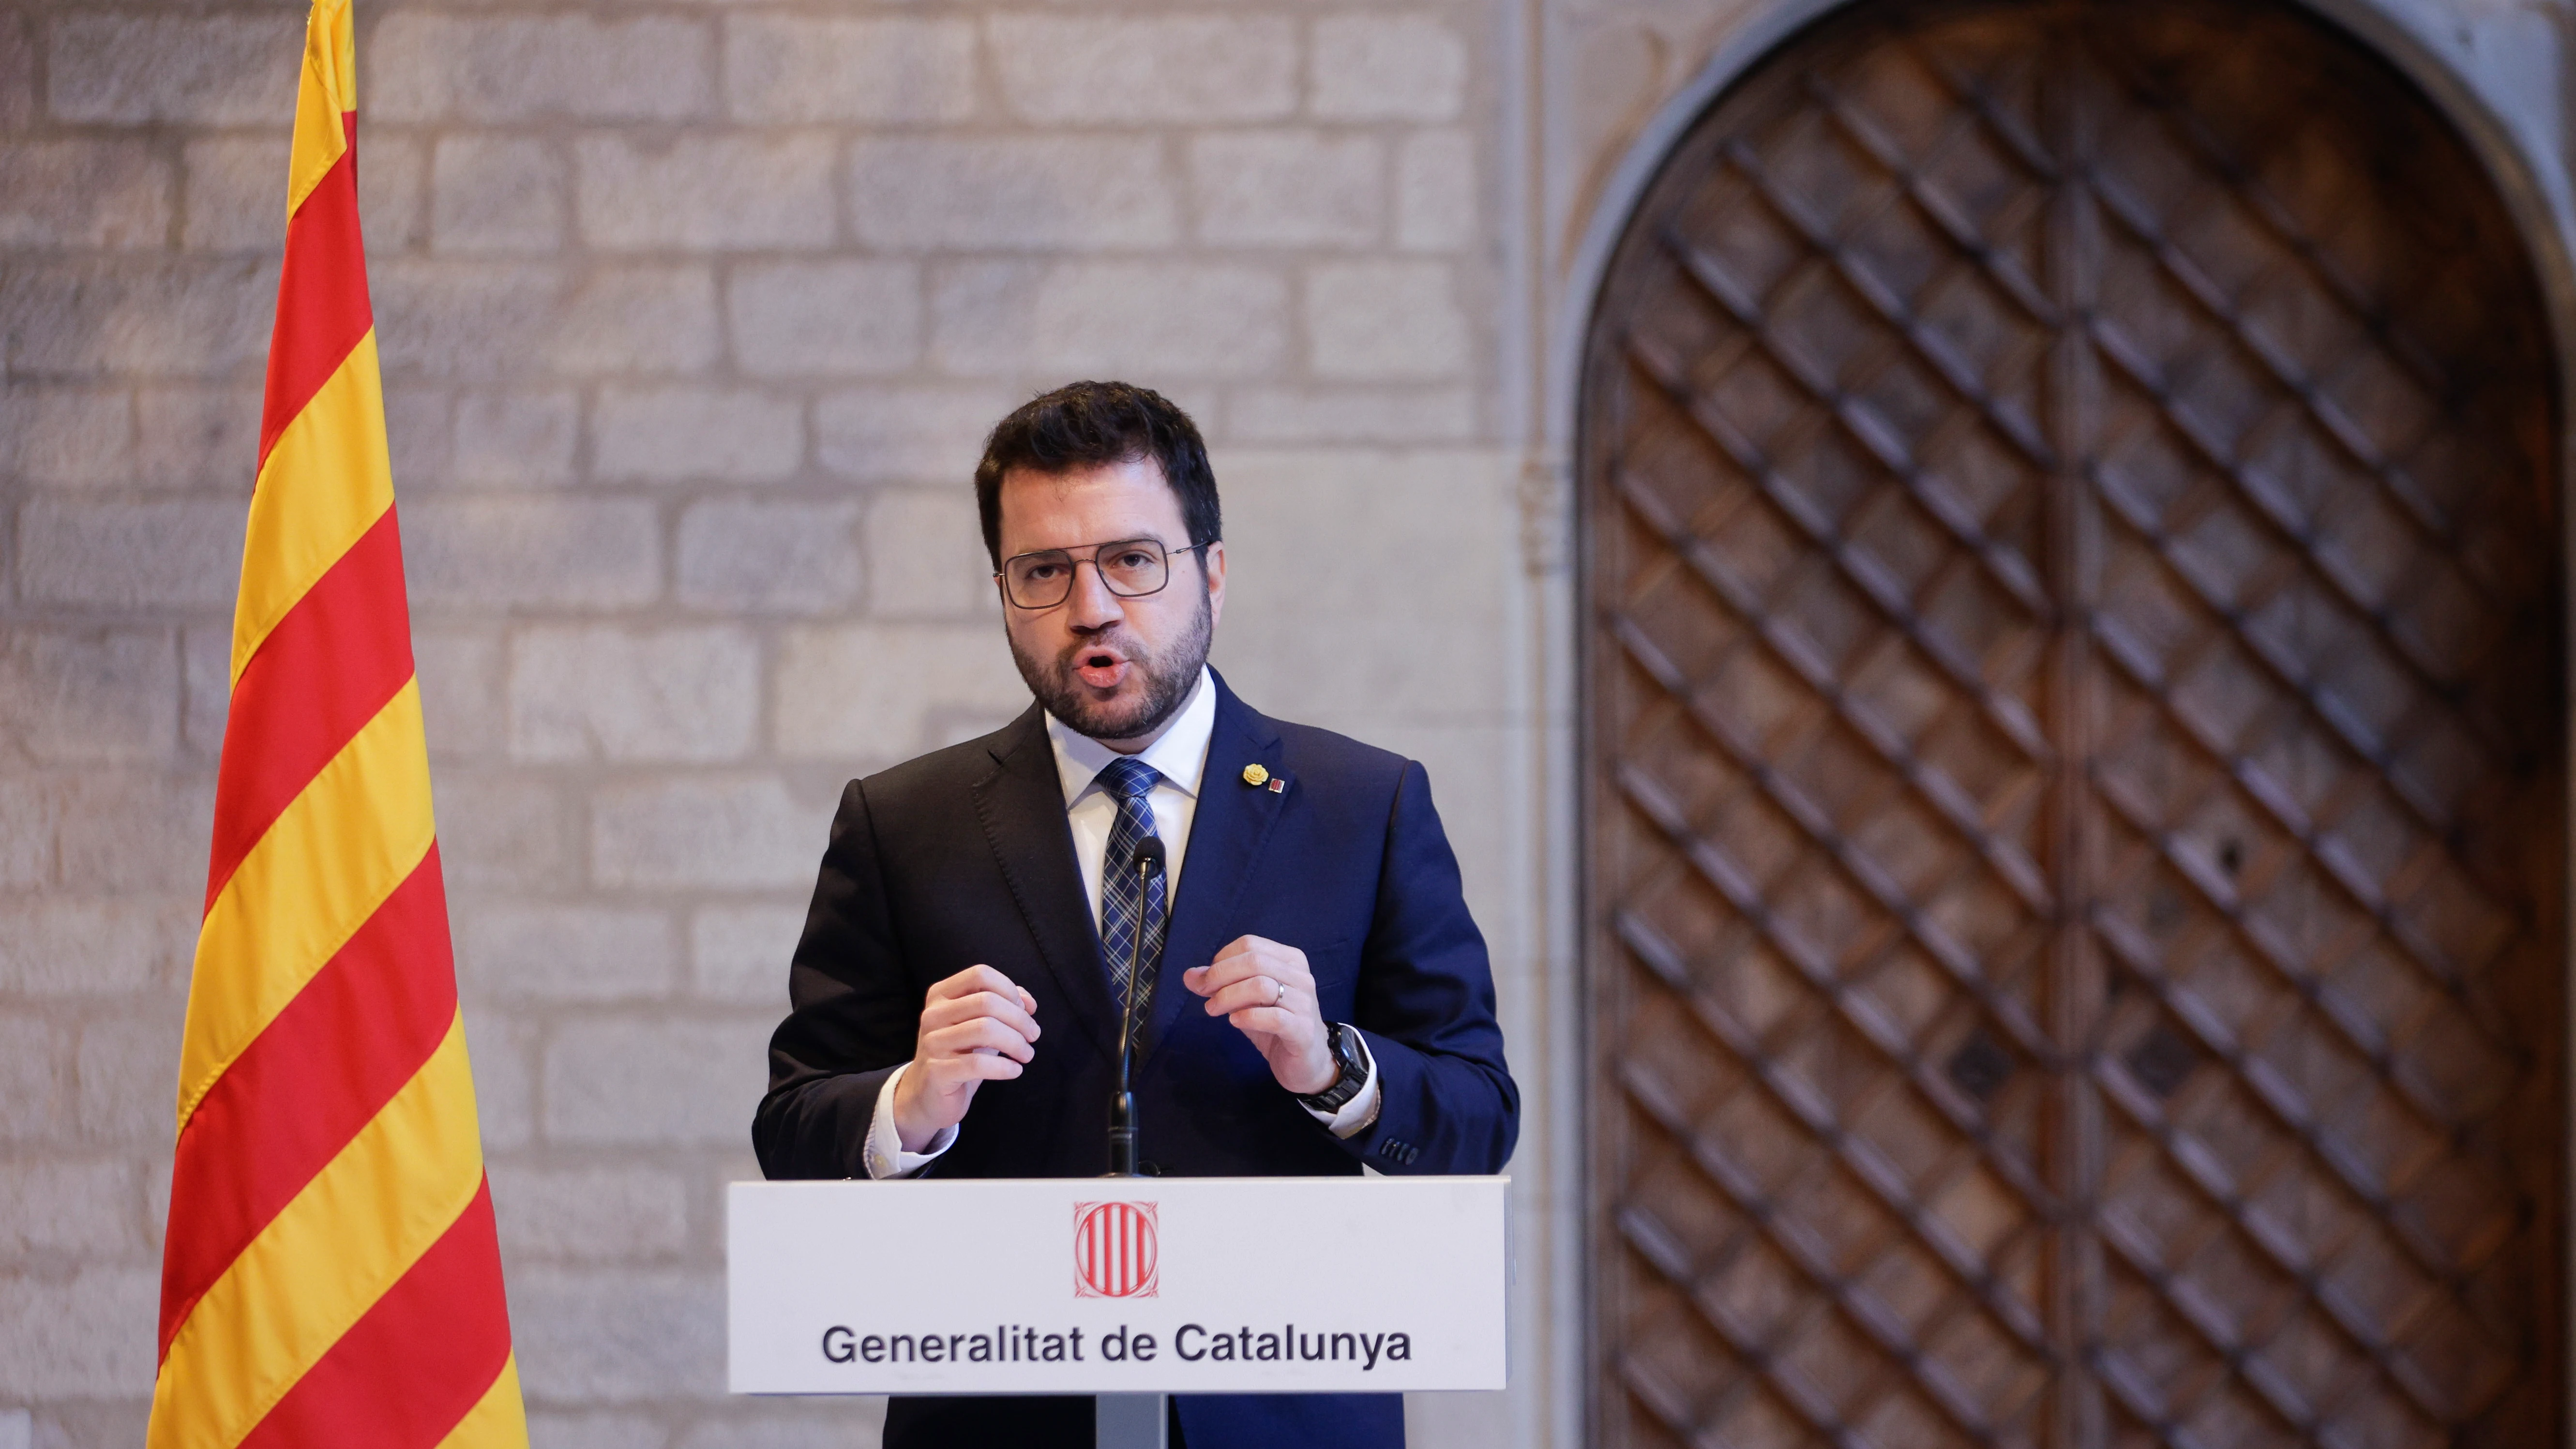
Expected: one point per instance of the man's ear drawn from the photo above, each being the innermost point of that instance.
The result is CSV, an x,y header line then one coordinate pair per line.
x,y
1212,563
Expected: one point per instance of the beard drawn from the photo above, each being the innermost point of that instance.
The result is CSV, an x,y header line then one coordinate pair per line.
x,y
1167,676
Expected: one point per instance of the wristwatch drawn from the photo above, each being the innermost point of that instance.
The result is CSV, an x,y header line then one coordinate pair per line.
x,y
1354,1064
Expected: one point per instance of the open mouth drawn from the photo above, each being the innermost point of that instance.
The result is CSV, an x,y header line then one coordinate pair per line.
x,y
1100,667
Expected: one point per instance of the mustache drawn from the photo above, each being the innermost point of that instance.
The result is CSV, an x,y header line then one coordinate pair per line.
x,y
1115,641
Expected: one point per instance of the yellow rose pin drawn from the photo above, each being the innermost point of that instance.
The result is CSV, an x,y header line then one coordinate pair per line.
x,y
1255,775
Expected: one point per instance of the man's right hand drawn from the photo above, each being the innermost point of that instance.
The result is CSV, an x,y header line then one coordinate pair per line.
x,y
976,1026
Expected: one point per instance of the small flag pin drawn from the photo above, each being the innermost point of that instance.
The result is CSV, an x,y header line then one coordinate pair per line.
x,y
1255,775
1278,784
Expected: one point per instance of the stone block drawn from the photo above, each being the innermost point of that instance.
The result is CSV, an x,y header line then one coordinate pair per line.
x,y
18,104
1379,414
35,1078
1146,321
89,694
131,555
93,1424
85,1209
138,316
235,69
909,433
666,434
550,952
723,832
926,557
1011,193
27,811
127,1072
1077,68
67,437
198,438
1388,68
1385,321
704,192
760,557
844,319
690,1083
393,192
569,1429
156,1195
1430,537
88,1336
740,953
102,193
816,1423
129,829
642,317
489,554
1288,188
627,695
590,1214
833,703
460,691
617,1337
236,194
503,830
494,66
205,688
477,319
497,193
419,434
794,69
516,439
1435,191
93,945
502,1046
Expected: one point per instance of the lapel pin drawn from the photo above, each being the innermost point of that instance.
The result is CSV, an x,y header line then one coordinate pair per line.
x,y
1255,775
1278,784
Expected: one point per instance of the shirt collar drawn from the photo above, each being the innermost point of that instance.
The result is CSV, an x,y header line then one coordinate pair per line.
x,y
1180,756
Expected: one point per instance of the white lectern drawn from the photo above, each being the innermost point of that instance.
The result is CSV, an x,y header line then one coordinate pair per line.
x,y
1129,1288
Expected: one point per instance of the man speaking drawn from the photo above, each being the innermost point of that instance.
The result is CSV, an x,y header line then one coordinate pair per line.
x,y
1304,988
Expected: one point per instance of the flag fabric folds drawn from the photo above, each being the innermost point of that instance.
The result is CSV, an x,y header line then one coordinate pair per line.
x,y
330,1275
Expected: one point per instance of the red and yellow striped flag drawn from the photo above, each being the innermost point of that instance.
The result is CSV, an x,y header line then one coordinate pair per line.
x,y
331,1277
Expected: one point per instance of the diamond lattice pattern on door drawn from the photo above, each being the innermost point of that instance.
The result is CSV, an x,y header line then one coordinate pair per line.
x,y
2074,737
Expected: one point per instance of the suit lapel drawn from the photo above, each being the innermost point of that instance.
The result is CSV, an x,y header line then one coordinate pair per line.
x,y
1021,805
1227,833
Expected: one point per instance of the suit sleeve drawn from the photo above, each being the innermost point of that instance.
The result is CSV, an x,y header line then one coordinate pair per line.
x,y
852,1015
1446,1100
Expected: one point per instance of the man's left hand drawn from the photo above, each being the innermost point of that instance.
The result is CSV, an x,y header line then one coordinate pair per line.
x,y
1265,989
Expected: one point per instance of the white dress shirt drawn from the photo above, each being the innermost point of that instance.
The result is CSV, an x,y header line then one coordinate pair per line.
x,y
1179,756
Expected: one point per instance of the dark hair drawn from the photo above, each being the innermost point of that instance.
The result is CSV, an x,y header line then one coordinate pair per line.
x,y
1095,425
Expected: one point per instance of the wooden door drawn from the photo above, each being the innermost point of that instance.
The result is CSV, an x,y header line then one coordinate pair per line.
x,y
2074,755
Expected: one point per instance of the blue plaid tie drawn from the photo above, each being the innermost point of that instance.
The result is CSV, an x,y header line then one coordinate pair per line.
x,y
1124,909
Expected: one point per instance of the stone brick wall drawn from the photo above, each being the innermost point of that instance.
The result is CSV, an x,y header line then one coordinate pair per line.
x,y
692,317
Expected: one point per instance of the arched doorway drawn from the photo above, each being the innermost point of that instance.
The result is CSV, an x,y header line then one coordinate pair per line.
x,y
2074,754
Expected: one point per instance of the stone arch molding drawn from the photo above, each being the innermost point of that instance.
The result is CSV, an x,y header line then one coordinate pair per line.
x,y
2507,109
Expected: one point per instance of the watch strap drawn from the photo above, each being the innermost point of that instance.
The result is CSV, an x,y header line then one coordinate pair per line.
x,y
1353,1073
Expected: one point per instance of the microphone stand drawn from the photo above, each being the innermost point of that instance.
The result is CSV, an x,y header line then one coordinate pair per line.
x,y
1122,1104
1130,1421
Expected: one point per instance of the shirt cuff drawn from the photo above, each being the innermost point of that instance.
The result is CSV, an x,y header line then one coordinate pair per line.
x,y
886,1157
1357,1114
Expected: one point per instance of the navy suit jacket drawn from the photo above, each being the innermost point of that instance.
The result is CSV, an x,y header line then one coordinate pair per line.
x,y
965,856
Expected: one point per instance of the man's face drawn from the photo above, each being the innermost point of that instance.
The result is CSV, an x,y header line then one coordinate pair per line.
x,y
1112,668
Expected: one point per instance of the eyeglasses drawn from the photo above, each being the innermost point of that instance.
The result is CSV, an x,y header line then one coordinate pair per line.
x,y
1130,568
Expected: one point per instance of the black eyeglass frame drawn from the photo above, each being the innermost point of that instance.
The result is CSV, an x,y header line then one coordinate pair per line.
x,y
1090,554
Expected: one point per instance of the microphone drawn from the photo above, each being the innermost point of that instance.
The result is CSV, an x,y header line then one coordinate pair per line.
x,y
1147,864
